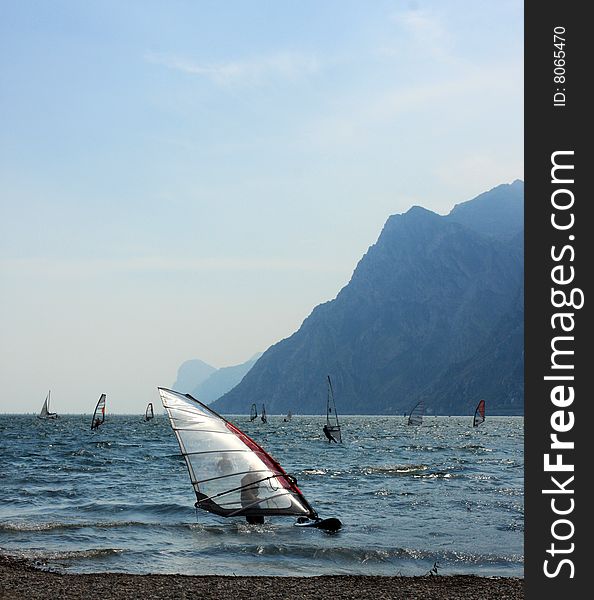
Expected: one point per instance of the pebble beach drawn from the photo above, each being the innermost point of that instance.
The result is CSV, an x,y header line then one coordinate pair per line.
x,y
30,580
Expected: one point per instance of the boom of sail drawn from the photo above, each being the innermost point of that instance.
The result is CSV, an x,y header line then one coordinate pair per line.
x,y
479,414
332,424
416,414
149,413
45,411
99,414
231,474
253,412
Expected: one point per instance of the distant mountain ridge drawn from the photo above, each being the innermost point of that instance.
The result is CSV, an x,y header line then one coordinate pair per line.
x,y
207,383
433,310
222,380
192,373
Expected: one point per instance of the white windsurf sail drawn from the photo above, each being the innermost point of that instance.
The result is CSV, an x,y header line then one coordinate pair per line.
x,y
253,412
416,414
149,413
231,474
479,414
45,411
99,414
263,416
289,416
332,427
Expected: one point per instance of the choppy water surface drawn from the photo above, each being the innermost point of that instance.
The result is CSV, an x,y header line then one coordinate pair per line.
x,y
119,499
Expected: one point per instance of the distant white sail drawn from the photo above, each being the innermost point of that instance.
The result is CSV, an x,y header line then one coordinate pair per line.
x,y
263,416
45,411
253,412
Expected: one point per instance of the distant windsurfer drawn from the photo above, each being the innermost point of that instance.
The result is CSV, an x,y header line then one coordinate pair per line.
x,y
249,496
329,435
96,423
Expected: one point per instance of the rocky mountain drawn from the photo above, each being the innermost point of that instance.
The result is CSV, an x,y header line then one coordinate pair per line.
x,y
498,213
433,310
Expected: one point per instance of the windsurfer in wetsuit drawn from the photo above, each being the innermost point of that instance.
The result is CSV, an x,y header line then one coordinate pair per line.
x,y
96,423
249,495
329,435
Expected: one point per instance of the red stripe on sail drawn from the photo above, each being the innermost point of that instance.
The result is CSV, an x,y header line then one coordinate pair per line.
x,y
266,458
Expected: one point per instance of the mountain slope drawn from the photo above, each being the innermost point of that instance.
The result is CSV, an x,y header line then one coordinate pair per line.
x,y
422,303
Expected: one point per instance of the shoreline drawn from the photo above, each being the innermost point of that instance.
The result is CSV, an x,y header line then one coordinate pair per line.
x,y
24,579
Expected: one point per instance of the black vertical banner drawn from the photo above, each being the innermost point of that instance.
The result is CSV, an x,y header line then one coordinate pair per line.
x,y
557,274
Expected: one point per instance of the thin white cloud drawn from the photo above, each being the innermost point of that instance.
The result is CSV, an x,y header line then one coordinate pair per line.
x,y
356,124
425,30
287,66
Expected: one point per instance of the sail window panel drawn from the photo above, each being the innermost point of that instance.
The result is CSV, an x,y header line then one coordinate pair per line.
x,y
218,464
185,404
181,413
227,473
201,442
262,495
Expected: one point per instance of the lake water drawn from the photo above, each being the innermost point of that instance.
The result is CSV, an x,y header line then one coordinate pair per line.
x,y
120,499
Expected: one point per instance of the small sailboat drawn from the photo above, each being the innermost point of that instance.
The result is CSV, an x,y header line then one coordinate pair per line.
x,y
99,414
479,414
253,412
149,413
45,411
332,427
416,414
263,416
232,475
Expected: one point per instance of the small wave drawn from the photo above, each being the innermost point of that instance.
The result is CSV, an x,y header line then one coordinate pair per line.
x,y
102,444
474,447
74,555
513,526
412,447
58,526
394,469
366,555
160,509
435,475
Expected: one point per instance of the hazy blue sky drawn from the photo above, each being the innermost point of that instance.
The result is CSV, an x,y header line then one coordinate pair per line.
x,y
189,179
